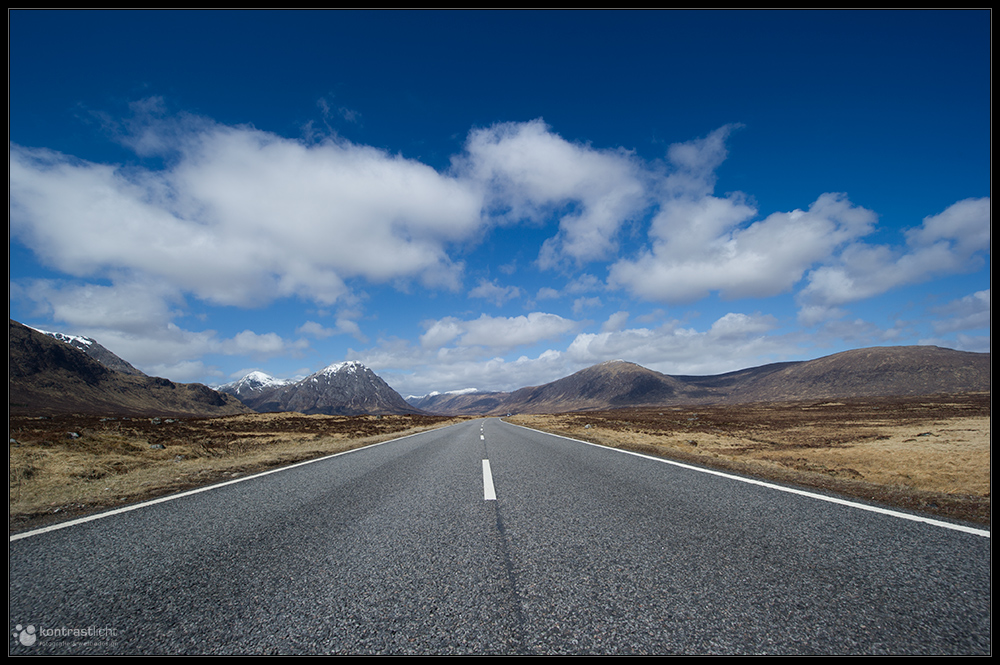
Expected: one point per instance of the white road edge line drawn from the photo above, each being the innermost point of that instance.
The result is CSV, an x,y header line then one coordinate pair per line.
x,y
489,494
790,490
171,497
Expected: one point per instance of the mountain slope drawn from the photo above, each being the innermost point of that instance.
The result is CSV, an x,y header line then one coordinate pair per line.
x,y
48,376
611,384
95,351
873,372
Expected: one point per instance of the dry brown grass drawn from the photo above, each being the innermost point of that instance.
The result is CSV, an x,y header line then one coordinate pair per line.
x,y
69,465
928,454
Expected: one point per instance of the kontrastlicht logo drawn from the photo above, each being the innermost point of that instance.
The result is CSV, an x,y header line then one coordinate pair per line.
x,y
25,635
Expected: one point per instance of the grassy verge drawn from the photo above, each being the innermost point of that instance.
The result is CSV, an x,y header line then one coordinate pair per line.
x,y
930,455
67,466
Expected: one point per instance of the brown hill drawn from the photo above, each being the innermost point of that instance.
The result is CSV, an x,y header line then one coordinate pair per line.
x,y
891,371
611,384
47,376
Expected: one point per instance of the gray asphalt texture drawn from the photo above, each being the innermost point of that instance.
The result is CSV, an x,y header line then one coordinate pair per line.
x,y
393,550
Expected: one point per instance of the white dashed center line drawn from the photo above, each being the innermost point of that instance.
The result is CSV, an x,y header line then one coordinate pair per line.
x,y
489,494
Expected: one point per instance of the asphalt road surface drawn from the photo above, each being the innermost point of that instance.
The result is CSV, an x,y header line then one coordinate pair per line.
x,y
418,546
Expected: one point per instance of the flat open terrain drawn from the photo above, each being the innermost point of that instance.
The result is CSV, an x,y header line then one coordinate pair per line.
x,y
930,454
926,454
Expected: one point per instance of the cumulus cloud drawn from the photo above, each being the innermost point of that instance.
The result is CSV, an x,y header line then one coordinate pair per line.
x,y
490,290
615,322
530,173
344,324
701,243
950,242
547,293
251,343
137,307
241,216
496,332
581,305
733,341
969,313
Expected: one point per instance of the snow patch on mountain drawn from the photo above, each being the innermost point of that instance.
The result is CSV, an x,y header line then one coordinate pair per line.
x,y
435,393
254,381
69,339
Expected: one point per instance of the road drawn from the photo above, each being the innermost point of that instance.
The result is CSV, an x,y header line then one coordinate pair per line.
x,y
400,548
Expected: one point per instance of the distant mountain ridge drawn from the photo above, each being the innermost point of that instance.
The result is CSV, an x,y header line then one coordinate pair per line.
x,y
57,373
871,372
346,388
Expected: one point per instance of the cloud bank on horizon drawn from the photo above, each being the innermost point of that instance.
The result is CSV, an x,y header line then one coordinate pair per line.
x,y
219,248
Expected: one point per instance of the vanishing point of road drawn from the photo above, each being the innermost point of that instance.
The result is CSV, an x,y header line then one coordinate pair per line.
x,y
488,538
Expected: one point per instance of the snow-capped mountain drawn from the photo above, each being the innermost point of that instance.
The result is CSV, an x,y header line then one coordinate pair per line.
x,y
254,383
347,388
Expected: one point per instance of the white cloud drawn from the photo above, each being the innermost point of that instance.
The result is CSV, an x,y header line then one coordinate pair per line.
x,y
735,325
615,322
700,243
944,244
315,330
734,341
344,324
490,290
441,333
496,332
700,246
965,226
969,313
530,173
250,343
138,307
580,305
242,217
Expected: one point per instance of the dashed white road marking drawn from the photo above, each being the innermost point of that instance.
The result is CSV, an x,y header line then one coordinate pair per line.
x,y
489,494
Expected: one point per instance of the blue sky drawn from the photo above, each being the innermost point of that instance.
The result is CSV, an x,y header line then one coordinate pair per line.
x,y
498,199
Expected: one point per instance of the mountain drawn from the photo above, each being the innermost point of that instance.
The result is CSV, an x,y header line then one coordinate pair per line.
x,y
460,402
611,384
893,371
252,386
872,372
47,376
95,351
347,388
